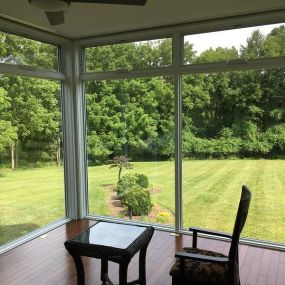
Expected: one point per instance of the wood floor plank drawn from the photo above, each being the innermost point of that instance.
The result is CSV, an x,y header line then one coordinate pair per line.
x,y
261,280
46,261
281,274
282,257
244,271
242,253
249,256
265,262
273,268
253,273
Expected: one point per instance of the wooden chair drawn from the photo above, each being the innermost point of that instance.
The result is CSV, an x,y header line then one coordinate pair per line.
x,y
198,266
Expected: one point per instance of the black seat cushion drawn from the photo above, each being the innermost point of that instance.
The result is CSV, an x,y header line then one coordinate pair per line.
x,y
200,272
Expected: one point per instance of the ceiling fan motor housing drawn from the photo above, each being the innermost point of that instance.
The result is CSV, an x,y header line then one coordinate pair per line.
x,y
55,9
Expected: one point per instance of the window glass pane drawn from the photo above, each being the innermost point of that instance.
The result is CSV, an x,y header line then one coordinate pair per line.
x,y
134,55
22,51
131,138
233,134
31,170
245,43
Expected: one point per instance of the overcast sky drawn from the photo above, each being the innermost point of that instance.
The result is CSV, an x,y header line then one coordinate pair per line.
x,y
225,39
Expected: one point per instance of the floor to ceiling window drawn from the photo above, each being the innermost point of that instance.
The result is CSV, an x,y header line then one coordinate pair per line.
x,y
233,133
232,128
130,136
232,136
31,153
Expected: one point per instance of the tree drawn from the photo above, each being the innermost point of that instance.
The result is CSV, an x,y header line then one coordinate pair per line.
x,y
18,50
106,126
8,133
45,117
136,116
33,111
254,46
35,115
274,44
217,55
247,103
121,162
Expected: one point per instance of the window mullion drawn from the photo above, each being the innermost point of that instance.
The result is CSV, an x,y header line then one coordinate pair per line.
x,y
74,138
177,49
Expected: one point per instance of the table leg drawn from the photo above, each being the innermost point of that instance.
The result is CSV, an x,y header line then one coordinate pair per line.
x,y
123,273
142,271
79,269
104,270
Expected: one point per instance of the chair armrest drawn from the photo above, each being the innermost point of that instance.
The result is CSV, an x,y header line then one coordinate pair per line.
x,y
201,257
210,232
196,230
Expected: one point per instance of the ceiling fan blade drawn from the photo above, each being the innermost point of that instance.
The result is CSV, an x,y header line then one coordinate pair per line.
x,y
119,2
55,18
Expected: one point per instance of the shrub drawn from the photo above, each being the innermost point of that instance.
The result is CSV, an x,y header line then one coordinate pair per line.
x,y
163,217
126,183
223,146
276,137
132,189
137,200
129,181
141,180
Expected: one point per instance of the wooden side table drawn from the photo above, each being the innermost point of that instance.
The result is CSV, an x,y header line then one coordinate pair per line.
x,y
111,242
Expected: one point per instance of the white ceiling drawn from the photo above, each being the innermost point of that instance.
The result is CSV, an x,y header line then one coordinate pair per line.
x,y
85,19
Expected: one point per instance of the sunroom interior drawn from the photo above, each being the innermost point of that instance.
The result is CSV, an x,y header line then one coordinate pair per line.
x,y
182,101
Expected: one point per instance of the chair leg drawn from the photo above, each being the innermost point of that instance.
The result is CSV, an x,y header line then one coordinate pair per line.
x,y
123,273
142,271
79,269
104,270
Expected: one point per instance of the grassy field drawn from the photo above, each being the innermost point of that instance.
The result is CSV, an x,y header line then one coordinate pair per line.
x,y
29,199
211,191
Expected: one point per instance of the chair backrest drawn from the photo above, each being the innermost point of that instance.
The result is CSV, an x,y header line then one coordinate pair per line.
x,y
239,223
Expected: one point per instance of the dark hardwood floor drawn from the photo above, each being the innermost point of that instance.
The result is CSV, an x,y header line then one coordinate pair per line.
x,y
46,262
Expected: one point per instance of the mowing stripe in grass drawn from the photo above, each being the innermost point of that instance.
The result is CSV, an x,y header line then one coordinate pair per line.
x,y
211,190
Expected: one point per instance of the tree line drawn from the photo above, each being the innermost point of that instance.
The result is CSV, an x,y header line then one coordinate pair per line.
x,y
30,116
225,114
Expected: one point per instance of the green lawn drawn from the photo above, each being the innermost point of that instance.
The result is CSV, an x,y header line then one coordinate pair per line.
x,y
211,192
211,189
29,199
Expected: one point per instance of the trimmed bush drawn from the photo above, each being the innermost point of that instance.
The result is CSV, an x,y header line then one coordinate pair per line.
x,y
137,200
141,180
129,181
132,189
126,183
